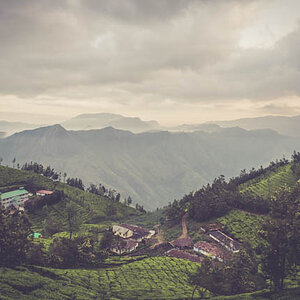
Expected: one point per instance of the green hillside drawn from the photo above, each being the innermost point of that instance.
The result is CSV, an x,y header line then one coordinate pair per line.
x,y
150,278
270,182
92,208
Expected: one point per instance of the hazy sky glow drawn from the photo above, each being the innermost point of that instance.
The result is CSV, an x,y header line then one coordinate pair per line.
x,y
176,61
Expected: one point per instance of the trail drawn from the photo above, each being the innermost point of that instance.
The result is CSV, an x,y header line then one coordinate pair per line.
x,y
160,236
184,234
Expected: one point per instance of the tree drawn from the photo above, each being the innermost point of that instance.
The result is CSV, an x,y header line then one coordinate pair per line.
x,y
14,161
201,278
281,232
73,219
14,242
107,240
118,197
1,160
65,176
50,226
129,200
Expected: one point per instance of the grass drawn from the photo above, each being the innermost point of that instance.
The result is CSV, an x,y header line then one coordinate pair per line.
x,y
149,278
243,226
270,182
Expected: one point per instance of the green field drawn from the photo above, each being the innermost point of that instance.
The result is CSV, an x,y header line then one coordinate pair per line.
x,y
150,278
270,182
243,226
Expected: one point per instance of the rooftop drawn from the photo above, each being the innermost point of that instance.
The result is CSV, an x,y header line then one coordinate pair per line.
x,y
126,244
225,239
209,248
136,229
11,194
45,192
185,242
185,255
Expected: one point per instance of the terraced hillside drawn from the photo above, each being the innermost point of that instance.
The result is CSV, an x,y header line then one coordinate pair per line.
x,y
243,226
150,278
271,182
92,208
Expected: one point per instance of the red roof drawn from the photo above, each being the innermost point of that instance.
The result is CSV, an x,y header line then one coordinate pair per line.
x,y
45,192
209,248
185,242
184,255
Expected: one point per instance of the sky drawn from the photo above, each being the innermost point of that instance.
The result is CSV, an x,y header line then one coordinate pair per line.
x,y
174,61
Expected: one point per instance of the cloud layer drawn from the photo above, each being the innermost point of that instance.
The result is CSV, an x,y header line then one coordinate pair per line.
x,y
132,55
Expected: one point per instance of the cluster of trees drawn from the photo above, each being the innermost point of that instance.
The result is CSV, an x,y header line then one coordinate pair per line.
x,y
76,182
77,252
281,231
37,203
40,169
14,242
17,248
234,277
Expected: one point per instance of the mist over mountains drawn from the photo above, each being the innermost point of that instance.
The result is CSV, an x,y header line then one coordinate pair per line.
x,y
152,167
102,120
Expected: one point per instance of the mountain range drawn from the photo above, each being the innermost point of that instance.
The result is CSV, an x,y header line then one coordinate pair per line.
x,y
152,167
102,120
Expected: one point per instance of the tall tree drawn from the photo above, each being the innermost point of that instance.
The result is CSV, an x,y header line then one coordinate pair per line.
x,y
14,161
281,230
73,219
14,242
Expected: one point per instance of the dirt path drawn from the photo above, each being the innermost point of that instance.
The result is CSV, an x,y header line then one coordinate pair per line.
x,y
159,236
184,234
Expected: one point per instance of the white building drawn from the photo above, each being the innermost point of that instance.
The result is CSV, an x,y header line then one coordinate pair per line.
x,y
16,198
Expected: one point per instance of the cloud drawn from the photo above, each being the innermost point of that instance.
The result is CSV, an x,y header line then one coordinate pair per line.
x,y
139,53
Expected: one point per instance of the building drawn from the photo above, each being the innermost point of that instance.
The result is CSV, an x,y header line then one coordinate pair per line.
x,y
210,227
43,193
121,231
229,243
16,198
184,255
209,250
124,246
134,232
184,243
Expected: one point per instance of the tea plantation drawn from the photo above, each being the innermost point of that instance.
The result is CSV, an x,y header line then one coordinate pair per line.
x,y
243,226
271,182
149,278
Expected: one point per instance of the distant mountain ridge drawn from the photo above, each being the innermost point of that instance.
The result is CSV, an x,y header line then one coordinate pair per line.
x,y
152,167
283,125
102,120
8,128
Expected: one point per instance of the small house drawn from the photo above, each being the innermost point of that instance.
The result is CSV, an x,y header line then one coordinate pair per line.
x,y
124,246
134,232
183,255
209,250
210,227
226,241
43,193
183,243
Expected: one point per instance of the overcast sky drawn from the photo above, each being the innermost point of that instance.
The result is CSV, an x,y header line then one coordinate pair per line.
x,y
175,61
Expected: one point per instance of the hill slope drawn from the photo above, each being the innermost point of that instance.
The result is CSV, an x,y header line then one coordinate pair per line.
x,y
153,168
92,208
